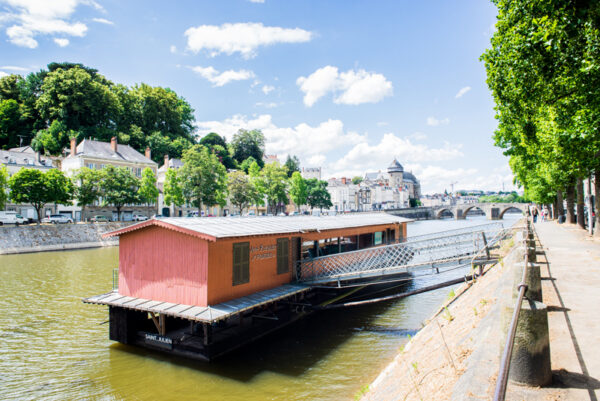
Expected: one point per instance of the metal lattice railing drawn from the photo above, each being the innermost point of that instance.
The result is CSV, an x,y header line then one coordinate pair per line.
x,y
398,258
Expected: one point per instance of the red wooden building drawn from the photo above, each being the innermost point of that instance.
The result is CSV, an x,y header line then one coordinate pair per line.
x,y
224,269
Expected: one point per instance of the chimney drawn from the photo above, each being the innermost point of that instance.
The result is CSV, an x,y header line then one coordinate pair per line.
x,y
166,161
113,144
73,146
147,152
343,180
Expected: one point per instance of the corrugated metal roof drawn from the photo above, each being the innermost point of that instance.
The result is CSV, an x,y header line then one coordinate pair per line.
x,y
225,227
206,314
103,150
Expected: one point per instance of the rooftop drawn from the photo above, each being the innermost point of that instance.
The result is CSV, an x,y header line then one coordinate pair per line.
x,y
103,150
212,228
24,158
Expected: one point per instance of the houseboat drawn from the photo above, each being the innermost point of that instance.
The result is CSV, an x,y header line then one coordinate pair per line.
x,y
201,287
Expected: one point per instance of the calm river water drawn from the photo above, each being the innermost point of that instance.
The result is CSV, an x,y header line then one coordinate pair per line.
x,y
52,346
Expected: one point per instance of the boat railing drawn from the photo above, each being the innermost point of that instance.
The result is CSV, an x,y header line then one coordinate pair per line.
x,y
398,258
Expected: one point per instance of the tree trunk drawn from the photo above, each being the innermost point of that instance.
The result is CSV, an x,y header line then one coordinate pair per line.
x,y
597,196
570,190
118,213
560,207
38,211
580,197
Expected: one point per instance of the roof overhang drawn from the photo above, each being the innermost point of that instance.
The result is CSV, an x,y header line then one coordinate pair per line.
x,y
158,223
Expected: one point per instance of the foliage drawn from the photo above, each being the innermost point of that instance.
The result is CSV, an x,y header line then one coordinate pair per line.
x,y
119,187
242,191
87,189
53,139
317,194
273,184
510,198
249,144
10,123
413,202
3,187
37,188
218,145
148,193
293,164
357,180
245,165
204,177
173,190
298,189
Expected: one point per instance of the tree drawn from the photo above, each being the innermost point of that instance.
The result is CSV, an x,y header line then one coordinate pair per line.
x,y
245,165
148,193
119,187
242,192
357,180
249,144
53,139
218,145
10,123
273,183
87,188
293,164
3,187
172,190
204,177
37,188
298,189
317,194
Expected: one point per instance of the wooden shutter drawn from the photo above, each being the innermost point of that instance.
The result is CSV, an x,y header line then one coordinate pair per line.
x,y
241,263
283,255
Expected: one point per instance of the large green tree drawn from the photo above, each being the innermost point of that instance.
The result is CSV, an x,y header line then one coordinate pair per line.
x,y
544,72
37,188
10,123
87,187
148,193
293,164
242,191
249,144
298,189
119,187
273,183
204,177
317,194
173,190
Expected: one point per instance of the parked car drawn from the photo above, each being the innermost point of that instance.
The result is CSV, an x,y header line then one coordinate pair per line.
x,y
139,217
157,216
12,218
57,219
99,219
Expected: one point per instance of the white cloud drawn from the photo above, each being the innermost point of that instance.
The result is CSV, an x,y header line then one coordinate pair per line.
x,y
364,156
62,42
32,18
14,68
223,78
243,38
267,89
434,122
302,140
3,74
270,105
350,87
257,1
383,124
173,49
462,91
103,21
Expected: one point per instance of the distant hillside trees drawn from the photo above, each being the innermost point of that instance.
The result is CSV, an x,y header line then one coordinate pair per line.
x,y
70,99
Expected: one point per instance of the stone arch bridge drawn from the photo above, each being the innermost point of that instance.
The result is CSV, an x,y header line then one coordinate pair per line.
x,y
493,211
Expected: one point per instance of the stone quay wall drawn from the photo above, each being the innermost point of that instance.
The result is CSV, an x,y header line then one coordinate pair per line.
x,y
56,237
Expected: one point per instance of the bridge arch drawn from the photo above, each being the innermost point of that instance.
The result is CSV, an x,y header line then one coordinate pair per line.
x,y
440,213
472,207
511,207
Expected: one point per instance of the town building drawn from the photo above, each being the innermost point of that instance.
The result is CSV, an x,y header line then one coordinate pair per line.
x,y
16,159
311,172
97,155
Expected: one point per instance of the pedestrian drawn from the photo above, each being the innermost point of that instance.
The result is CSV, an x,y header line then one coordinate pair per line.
x,y
543,215
535,214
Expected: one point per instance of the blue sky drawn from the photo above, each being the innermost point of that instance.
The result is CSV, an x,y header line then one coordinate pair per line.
x,y
345,85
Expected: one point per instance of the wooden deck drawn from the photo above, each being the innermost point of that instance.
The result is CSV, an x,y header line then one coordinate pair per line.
x,y
204,314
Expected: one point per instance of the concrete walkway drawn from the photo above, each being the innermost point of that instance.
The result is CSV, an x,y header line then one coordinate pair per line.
x,y
570,270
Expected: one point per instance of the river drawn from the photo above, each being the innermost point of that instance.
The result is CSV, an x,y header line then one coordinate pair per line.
x,y
54,347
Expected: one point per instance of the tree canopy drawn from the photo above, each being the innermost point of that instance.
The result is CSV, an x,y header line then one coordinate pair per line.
x,y
249,144
204,177
119,187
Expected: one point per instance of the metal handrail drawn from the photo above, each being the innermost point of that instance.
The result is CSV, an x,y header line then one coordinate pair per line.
x,y
502,381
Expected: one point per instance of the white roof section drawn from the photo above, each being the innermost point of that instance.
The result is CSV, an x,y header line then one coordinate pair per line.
x,y
227,227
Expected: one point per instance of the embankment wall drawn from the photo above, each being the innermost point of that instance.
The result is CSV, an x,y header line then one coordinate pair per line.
x,y
34,238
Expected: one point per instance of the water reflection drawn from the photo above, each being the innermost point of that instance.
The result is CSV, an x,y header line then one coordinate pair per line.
x,y
55,347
